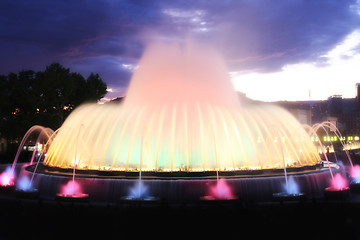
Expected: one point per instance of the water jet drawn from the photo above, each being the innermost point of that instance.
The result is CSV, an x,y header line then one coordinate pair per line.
x,y
72,191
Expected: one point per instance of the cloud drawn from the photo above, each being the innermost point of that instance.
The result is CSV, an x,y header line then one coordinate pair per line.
x,y
337,74
308,28
98,36
111,69
34,34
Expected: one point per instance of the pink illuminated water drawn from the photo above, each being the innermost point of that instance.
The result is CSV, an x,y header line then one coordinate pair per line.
x,y
339,183
7,178
355,173
72,189
221,191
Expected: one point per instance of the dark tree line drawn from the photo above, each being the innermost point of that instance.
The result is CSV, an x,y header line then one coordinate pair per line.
x,y
43,98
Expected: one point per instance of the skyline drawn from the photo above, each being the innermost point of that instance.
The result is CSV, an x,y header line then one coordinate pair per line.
x,y
292,47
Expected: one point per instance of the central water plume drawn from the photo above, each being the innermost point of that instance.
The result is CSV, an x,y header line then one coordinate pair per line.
x,y
171,74
181,113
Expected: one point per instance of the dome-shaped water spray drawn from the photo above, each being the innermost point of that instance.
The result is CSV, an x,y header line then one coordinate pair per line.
x,y
181,113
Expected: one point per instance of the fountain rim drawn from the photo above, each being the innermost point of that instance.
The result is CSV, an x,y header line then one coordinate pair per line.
x,y
84,173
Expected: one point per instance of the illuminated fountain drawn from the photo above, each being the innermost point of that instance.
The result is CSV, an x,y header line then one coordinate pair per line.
x,y
24,187
41,134
290,191
355,178
339,186
355,174
181,133
7,179
72,191
220,191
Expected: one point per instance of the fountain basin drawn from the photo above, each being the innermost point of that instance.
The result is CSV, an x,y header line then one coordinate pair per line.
x,y
284,196
214,199
176,189
32,193
355,187
147,199
7,188
336,193
79,197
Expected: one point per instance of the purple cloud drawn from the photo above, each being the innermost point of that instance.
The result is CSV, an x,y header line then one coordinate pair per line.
x,y
101,36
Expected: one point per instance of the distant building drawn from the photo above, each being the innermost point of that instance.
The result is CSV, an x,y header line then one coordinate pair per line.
x,y
343,113
335,105
351,122
334,123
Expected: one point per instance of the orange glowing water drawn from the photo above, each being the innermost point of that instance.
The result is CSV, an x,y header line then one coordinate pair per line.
x,y
181,113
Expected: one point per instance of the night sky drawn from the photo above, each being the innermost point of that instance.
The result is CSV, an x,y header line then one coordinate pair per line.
x,y
257,38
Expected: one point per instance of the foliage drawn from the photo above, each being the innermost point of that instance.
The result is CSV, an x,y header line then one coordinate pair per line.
x,y
44,98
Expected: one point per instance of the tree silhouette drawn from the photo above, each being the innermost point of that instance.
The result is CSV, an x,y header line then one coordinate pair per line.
x,y
44,98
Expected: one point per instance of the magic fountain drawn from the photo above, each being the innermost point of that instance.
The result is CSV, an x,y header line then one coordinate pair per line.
x,y
181,134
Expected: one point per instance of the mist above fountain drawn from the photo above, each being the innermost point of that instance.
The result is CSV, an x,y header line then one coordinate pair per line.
x,y
181,113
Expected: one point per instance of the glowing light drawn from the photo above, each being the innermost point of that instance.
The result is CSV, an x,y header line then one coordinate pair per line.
x,y
7,178
139,191
291,187
221,191
24,183
339,182
355,173
72,190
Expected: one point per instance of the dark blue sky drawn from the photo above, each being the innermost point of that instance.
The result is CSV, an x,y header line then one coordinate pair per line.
x,y
108,37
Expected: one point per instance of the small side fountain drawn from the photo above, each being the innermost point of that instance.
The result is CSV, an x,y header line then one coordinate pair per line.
x,y
72,191
355,178
221,191
339,188
8,177
7,180
139,192
291,191
290,188
43,133
25,188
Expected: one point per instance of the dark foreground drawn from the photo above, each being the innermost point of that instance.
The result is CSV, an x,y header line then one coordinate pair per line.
x,y
306,219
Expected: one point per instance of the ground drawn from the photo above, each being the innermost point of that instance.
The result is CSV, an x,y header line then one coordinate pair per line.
x,y
306,219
